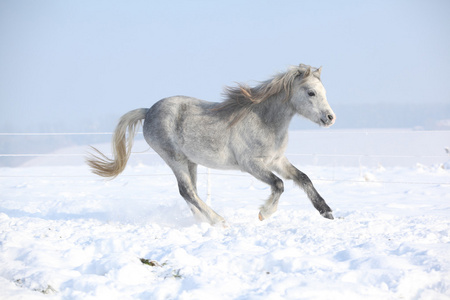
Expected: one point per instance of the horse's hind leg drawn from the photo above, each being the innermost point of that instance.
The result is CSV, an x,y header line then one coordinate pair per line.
x,y
186,174
193,174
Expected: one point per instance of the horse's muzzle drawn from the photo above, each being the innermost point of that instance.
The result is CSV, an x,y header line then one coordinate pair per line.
x,y
327,119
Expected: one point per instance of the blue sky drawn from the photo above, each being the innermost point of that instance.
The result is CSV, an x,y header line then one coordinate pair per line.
x,y
79,62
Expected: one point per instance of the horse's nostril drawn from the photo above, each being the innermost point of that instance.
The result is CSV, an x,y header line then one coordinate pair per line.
x,y
330,117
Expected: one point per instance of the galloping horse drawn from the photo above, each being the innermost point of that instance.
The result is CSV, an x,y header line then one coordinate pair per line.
x,y
248,131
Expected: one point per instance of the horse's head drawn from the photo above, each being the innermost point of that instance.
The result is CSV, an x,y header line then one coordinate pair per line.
x,y
309,96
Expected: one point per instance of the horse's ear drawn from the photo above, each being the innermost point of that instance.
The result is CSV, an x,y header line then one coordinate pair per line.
x,y
317,72
305,71
301,70
303,66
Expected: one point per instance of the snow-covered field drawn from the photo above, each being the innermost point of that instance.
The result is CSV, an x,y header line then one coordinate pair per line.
x,y
67,234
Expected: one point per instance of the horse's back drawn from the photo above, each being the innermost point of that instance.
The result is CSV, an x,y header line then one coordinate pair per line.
x,y
184,126
169,114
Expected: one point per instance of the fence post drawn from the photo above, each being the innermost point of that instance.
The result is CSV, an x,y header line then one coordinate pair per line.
x,y
208,183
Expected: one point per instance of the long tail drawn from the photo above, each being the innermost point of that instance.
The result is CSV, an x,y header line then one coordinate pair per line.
x,y
121,146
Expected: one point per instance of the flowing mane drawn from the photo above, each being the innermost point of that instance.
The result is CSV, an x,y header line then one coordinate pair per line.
x,y
239,100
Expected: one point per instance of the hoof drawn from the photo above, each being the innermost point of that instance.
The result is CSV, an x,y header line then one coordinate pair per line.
x,y
328,215
225,225
220,224
260,217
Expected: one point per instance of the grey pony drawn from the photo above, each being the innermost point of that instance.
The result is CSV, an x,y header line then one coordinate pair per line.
x,y
248,131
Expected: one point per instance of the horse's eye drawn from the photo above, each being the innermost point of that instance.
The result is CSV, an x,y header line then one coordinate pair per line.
x,y
311,94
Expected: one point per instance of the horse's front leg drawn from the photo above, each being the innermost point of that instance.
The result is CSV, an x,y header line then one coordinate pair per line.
x,y
289,171
261,172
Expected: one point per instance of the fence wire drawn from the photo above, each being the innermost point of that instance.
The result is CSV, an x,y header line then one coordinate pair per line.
x,y
208,173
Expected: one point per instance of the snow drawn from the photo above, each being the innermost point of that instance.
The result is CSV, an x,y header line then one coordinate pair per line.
x,y
67,234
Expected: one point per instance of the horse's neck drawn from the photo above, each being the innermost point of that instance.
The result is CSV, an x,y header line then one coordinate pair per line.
x,y
277,113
